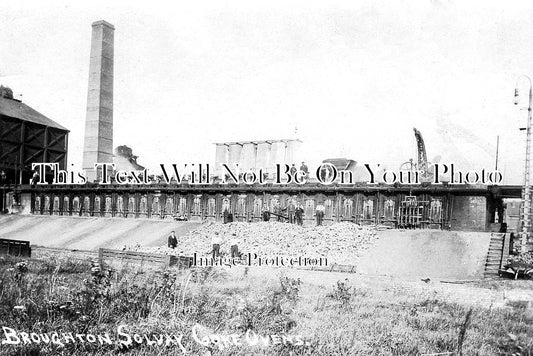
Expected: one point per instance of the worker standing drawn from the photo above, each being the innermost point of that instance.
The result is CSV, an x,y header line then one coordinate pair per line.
x,y
266,213
172,240
304,169
291,209
234,243
293,170
215,241
299,213
319,213
277,211
228,216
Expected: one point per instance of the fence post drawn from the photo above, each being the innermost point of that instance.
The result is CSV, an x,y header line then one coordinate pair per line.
x,y
101,256
167,260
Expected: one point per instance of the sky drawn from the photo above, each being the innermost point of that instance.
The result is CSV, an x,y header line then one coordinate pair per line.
x,y
349,78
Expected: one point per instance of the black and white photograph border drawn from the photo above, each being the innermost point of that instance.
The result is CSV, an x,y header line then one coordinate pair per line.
x,y
266,178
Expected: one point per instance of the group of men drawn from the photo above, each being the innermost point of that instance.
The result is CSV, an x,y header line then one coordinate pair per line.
x,y
303,168
295,213
295,216
216,241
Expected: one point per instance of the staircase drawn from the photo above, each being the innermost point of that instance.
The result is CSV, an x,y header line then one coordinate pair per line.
x,y
497,255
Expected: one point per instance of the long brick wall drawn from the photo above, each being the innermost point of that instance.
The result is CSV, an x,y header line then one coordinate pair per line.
x,y
440,209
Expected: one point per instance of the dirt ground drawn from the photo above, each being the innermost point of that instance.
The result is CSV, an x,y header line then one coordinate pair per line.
x,y
495,293
417,254
411,254
88,233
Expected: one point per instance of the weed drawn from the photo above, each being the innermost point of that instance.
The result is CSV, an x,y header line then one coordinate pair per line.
x,y
87,297
341,293
290,288
514,346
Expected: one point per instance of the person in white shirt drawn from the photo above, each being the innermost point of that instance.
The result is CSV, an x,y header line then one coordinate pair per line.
x,y
215,241
234,243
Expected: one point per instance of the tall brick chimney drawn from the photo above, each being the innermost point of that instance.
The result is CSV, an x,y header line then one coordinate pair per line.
x,y
98,141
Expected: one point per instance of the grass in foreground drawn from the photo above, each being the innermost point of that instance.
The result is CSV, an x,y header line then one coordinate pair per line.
x,y
278,315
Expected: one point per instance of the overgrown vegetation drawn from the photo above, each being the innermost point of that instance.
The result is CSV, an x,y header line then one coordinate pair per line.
x,y
524,259
83,297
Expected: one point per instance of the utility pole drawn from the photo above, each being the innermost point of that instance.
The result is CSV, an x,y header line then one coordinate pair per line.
x,y
3,179
497,148
526,194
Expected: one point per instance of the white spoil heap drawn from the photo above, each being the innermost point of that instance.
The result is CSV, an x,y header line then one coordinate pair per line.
x,y
341,243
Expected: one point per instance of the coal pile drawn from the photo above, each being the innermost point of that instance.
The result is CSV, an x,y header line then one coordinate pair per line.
x,y
341,243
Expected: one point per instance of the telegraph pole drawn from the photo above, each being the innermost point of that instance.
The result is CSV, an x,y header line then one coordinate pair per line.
x,y
497,148
526,194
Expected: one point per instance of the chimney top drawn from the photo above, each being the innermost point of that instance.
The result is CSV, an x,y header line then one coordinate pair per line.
x,y
103,23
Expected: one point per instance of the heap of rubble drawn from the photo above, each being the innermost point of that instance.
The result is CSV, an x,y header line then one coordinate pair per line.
x,y
341,243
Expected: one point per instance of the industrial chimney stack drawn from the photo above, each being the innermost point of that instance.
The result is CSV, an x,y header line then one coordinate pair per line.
x,y
98,141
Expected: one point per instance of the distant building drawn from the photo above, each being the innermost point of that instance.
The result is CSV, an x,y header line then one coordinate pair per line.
x,y
26,137
257,154
359,172
124,159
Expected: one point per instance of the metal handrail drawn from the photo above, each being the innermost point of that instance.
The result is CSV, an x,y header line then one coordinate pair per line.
x,y
503,248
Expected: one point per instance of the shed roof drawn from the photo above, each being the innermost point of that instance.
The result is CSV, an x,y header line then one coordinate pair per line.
x,y
19,110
